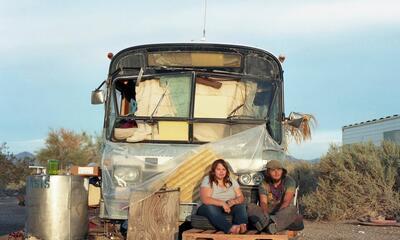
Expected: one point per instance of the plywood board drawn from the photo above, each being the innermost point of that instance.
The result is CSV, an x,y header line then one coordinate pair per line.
x,y
156,217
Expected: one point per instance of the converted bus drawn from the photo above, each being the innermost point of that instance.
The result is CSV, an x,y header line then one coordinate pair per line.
x,y
164,100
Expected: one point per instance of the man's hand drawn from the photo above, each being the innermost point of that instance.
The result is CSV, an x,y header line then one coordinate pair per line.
x,y
264,203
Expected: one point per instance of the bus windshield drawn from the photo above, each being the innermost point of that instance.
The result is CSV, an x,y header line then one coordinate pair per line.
x,y
190,107
212,97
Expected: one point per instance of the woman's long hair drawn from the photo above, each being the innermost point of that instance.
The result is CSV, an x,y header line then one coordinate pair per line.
x,y
211,174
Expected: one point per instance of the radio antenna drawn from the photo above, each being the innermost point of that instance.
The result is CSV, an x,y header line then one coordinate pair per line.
x,y
204,23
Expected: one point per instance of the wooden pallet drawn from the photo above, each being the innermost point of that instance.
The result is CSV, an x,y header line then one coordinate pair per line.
x,y
197,234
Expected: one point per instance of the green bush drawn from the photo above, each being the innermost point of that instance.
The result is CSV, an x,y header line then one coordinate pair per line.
x,y
355,180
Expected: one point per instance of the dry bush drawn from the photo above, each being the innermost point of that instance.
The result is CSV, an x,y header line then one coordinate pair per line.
x,y
68,146
14,171
356,180
305,173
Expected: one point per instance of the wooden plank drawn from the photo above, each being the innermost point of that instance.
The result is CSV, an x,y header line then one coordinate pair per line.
x,y
250,235
292,234
209,231
194,230
209,82
156,217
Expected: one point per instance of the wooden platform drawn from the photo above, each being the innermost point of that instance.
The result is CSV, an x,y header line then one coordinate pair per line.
x,y
197,234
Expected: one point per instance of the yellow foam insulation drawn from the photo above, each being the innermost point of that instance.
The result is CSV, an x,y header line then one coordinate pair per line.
x,y
188,176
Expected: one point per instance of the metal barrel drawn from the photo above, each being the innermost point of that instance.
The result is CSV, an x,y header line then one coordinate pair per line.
x,y
57,207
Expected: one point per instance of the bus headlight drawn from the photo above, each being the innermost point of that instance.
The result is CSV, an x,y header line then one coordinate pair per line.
x,y
257,178
126,175
245,179
254,178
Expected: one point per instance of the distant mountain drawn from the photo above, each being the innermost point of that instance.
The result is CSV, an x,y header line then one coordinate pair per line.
x,y
290,158
315,160
23,155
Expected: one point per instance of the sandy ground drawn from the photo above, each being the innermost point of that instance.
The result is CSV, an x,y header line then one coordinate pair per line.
x,y
347,231
12,218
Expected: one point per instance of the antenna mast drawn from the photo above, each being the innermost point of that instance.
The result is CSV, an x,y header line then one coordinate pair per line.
x,y
204,25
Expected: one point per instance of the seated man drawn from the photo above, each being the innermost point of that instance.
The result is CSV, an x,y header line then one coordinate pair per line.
x,y
276,211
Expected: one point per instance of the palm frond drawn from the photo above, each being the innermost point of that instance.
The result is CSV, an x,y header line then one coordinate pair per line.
x,y
303,131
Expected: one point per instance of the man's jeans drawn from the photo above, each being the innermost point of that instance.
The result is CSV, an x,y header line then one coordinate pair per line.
x,y
283,218
216,216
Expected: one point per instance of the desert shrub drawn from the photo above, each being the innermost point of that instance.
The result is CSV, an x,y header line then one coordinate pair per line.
x,y
68,146
6,162
305,173
14,171
355,180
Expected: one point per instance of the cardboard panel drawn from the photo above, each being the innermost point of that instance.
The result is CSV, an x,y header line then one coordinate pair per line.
x,y
177,131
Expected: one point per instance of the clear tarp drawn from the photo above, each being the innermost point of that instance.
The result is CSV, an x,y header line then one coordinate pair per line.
x,y
138,170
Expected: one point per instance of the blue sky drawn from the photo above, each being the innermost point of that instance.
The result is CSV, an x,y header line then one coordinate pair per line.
x,y
341,66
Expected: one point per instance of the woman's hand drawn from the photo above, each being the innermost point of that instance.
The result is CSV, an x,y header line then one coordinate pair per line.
x,y
226,207
231,202
239,199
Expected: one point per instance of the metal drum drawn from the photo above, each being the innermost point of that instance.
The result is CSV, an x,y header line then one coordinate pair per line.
x,y
57,207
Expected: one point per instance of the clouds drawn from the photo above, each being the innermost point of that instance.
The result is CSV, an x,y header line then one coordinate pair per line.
x,y
321,140
339,53
32,145
89,24
121,24
334,16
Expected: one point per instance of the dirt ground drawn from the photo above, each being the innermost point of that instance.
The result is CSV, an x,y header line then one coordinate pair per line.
x,y
12,218
347,231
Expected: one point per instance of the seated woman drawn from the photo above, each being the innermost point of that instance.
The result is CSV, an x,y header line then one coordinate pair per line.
x,y
221,194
